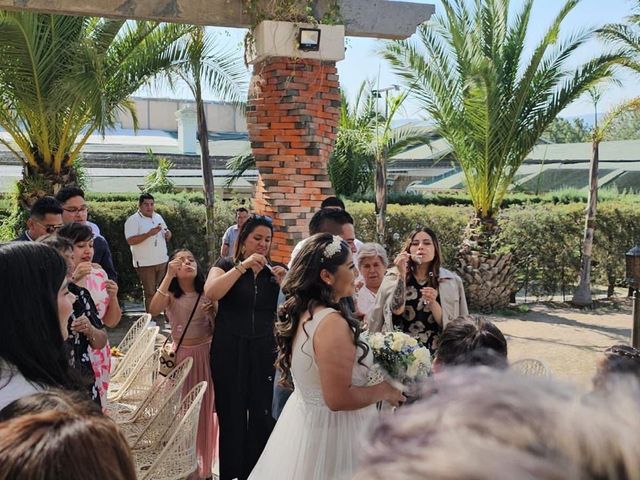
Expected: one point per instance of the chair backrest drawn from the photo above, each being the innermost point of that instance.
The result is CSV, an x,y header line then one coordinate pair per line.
x,y
136,387
531,367
138,327
159,407
144,344
179,458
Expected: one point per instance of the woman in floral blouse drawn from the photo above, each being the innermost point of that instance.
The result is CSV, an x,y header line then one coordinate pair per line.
x,y
84,327
418,296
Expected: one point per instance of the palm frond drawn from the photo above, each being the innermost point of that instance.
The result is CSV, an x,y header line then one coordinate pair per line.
x,y
491,103
64,77
238,165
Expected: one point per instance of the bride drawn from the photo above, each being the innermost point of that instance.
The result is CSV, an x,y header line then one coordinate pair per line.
x,y
320,351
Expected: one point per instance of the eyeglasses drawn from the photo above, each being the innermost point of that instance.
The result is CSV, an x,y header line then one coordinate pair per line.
x,y
50,228
83,208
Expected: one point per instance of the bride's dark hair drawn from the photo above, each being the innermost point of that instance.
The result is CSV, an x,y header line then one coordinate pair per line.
x,y
304,290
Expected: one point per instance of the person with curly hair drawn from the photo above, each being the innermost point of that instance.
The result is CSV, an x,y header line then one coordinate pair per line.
x,y
320,351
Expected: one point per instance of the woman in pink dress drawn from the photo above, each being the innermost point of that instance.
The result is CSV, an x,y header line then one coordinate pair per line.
x,y
104,293
176,296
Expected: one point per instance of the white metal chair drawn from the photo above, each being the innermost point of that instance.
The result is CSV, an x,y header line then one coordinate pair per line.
x,y
137,385
159,405
139,351
134,332
531,367
177,457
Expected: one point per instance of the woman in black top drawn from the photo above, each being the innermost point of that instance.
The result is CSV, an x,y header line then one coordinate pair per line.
x,y
243,350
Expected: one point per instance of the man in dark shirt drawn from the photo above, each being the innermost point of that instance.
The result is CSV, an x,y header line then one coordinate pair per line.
x,y
75,209
45,217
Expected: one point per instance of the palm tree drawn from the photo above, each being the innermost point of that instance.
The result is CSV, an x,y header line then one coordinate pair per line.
x,y
364,145
351,167
627,36
206,66
63,78
385,143
492,105
582,294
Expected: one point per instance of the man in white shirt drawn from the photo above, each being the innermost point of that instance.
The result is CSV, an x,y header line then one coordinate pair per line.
x,y
147,234
229,238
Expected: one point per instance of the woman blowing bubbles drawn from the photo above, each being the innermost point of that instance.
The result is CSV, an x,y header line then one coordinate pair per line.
x,y
417,295
243,349
190,314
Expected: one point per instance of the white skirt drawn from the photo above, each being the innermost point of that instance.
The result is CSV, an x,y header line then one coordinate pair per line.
x,y
311,442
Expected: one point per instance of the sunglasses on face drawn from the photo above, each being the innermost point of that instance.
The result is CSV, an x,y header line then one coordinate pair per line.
x,y
50,228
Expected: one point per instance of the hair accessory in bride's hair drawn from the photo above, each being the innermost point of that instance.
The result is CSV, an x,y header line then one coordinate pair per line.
x,y
333,248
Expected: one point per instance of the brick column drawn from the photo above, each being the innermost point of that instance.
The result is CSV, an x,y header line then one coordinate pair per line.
x,y
292,116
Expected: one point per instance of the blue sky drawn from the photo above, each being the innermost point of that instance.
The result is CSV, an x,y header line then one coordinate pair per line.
x,y
362,63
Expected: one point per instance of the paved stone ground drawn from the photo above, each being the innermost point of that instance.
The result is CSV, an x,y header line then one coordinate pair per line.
x,y
567,339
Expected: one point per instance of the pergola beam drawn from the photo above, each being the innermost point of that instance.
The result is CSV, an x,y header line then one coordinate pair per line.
x,y
362,18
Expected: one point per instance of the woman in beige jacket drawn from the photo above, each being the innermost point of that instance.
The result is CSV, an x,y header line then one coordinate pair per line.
x,y
417,295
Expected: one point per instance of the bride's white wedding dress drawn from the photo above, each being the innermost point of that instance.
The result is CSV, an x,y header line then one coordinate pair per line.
x,y
311,442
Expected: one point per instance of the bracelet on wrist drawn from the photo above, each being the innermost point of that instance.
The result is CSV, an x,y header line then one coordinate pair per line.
x,y
238,266
164,294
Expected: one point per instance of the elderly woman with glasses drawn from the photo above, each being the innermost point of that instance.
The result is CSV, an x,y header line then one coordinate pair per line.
x,y
243,351
372,264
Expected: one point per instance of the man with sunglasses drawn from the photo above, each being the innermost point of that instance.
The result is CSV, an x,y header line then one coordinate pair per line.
x,y
45,218
75,210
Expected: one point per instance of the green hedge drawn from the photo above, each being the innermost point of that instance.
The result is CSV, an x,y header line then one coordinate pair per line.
x,y
461,197
185,219
545,239
447,222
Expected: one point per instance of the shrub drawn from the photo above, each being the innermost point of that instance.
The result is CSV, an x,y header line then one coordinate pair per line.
x,y
455,197
184,219
447,222
617,231
545,243
545,239
158,181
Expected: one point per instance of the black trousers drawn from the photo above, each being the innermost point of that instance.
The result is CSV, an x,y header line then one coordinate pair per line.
x,y
242,371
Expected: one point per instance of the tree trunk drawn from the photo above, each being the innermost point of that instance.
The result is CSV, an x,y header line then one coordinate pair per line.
x,y
37,183
207,178
381,201
488,277
582,294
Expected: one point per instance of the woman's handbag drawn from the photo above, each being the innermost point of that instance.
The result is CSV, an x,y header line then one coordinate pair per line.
x,y
167,353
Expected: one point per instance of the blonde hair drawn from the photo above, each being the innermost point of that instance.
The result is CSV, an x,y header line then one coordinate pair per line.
x,y
482,424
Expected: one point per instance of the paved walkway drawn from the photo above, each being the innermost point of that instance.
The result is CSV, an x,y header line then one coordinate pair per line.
x,y
568,340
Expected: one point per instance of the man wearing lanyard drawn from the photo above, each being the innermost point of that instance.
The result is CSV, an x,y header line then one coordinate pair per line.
x,y
147,234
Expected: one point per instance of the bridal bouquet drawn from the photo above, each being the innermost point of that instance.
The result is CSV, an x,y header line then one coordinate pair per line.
x,y
399,356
